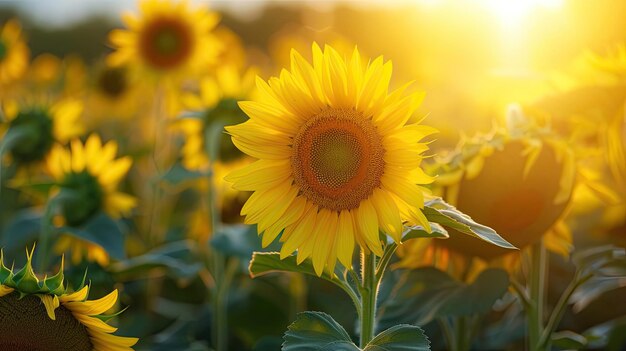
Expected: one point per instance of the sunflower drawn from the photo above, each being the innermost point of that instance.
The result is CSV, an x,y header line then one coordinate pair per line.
x,y
42,315
229,201
519,184
114,94
93,174
337,161
39,126
167,39
14,53
217,104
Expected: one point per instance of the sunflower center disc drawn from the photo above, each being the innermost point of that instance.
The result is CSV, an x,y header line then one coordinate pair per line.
x,y
338,159
112,82
37,142
166,43
88,200
25,326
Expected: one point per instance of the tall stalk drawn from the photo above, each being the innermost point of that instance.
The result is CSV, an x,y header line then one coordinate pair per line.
x,y
536,286
369,292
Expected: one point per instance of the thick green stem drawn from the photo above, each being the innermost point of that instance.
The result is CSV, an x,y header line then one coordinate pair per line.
x,y
45,232
461,334
221,306
222,278
369,292
559,309
536,284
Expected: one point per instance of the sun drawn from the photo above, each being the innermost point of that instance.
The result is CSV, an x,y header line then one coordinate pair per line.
x,y
337,161
167,39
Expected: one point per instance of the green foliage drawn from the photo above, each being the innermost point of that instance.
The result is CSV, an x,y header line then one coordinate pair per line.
x,y
568,340
317,331
175,259
400,338
423,294
101,230
437,232
178,174
267,262
441,212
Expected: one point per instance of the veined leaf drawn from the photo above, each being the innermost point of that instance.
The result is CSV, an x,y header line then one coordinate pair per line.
x,y
427,293
402,337
317,331
441,212
103,231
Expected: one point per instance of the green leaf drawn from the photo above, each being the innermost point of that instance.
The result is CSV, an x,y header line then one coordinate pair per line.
x,y
568,340
24,228
15,135
437,232
239,240
42,188
179,174
317,331
103,231
268,262
169,258
402,337
441,212
427,293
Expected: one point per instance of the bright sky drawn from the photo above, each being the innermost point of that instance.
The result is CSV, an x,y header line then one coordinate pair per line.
x,y
66,12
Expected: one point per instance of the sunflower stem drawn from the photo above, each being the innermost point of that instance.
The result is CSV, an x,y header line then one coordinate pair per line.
x,y
222,275
461,334
45,232
369,292
536,284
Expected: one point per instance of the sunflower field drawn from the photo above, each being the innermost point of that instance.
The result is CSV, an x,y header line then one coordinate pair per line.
x,y
258,175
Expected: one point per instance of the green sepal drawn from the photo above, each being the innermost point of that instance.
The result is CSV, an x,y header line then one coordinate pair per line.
x,y
54,284
106,317
25,279
6,274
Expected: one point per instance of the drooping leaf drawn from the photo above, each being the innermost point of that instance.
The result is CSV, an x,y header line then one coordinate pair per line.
x,y
267,262
568,340
24,228
424,294
239,240
437,232
402,337
441,212
101,230
179,174
317,331
170,258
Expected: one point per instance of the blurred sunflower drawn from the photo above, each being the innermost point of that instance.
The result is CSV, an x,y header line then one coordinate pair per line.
x,y
14,53
113,95
229,201
217,103
590,107
42,315
337,162
92,173
36,127
518,182
167,39
51,75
